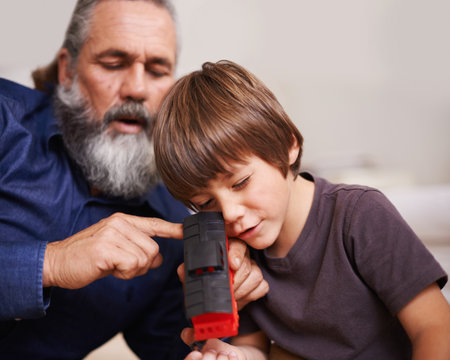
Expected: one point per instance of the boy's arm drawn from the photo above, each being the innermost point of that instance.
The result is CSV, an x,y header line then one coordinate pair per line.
x,y
426,319
254,346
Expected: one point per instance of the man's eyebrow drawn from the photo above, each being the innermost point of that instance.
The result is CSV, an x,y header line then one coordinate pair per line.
x,y
160,61
112,52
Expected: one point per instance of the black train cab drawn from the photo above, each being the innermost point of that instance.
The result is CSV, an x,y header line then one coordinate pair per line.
x,y
209,300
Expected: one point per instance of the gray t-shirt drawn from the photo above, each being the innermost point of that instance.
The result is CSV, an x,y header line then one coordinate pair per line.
x,y
336,293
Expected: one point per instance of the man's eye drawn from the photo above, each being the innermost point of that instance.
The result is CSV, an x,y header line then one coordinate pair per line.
x,y
113,65
241,183
158,71
157,74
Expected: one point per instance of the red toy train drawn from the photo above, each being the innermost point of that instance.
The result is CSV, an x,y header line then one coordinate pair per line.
x,y
209,299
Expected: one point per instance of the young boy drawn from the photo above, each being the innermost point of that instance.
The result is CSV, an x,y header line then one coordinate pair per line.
x,y
348,277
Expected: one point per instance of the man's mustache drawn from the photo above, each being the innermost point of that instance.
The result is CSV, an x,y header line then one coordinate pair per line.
x,y
129,111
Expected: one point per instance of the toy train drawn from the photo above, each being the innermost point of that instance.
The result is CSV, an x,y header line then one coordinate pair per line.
x,y
209,299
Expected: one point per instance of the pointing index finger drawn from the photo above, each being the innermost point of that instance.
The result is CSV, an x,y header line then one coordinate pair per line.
x,y
157,227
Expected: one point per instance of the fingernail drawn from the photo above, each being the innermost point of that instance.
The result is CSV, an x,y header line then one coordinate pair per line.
x,y
237,261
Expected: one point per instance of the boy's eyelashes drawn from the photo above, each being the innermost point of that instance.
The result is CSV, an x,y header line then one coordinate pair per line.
x,y
241,183
201,202
209,203
205,205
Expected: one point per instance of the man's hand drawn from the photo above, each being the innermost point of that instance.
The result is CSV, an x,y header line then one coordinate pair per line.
x,y
120,245
249,284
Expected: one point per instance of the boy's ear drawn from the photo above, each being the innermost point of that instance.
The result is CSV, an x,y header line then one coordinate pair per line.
x,y
65,74
293,151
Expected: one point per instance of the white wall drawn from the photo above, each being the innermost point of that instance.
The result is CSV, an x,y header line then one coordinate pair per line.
x,y
367,82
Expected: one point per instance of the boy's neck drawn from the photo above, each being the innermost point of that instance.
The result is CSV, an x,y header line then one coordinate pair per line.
x,y
300,204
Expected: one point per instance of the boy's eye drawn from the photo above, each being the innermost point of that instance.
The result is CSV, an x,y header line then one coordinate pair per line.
x,y
241,183
202,203
205,205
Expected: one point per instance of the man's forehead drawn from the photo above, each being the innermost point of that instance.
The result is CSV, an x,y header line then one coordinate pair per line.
x,y
133,26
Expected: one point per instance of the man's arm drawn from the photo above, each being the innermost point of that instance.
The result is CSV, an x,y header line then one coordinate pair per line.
x,y
21,292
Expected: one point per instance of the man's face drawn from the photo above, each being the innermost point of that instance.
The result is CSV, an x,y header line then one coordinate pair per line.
x,y
130,54
106,105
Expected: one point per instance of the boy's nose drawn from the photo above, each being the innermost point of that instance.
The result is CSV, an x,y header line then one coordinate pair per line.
x,y
231,210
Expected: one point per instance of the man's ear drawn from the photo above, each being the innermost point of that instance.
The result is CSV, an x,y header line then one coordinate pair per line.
x,y
293,150
65,73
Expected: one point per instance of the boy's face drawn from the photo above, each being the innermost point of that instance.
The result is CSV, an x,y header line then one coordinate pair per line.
x,y
254,201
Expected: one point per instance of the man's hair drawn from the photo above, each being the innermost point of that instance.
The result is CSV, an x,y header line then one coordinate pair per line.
x,y
76,35
218,114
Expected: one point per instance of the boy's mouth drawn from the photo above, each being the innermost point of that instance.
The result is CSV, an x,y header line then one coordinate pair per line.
x,y
249,232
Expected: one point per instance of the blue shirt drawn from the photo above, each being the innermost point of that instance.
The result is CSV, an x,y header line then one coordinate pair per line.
x,y
45,198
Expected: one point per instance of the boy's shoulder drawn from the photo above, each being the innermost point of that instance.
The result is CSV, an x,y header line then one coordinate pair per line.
x,y
338,200
327,188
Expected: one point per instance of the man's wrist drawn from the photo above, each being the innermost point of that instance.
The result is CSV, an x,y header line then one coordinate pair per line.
x,y
47,279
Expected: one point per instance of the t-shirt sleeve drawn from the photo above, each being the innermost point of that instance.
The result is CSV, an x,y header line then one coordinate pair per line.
x,y
387,254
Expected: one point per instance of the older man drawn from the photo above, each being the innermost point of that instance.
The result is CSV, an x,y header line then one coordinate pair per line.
x,y
79,198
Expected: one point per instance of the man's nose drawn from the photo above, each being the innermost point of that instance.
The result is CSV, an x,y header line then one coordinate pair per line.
x,y
134,85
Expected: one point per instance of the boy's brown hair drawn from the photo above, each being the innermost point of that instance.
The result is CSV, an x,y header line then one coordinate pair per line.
x,y
215,115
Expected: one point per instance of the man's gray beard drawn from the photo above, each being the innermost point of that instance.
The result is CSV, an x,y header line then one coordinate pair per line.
x,y
118,165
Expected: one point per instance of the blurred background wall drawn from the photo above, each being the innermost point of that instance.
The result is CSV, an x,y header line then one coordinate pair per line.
x,y
367,82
